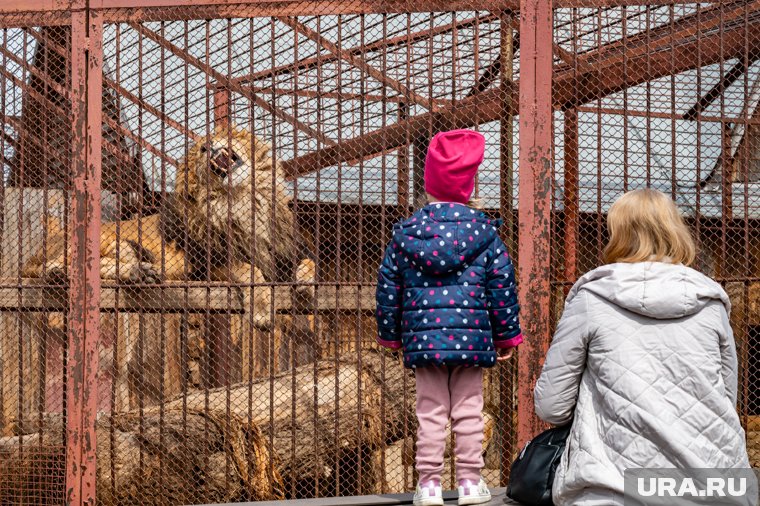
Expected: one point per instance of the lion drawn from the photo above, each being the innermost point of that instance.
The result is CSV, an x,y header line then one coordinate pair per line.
x,y
228,220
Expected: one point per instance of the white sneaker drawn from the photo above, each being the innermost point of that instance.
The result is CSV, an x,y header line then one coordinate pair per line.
x,y
470,493
429,494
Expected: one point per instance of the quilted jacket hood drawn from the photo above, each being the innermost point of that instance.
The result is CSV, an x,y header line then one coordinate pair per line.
x,y
643,362
653,289
442,237
446,290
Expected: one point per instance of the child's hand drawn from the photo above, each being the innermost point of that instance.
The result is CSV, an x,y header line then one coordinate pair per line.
x,y
504,354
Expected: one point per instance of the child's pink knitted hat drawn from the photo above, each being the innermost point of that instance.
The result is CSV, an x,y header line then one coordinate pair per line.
x,y
452,161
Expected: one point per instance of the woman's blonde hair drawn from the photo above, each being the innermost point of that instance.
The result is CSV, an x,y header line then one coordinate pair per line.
x,y
645,225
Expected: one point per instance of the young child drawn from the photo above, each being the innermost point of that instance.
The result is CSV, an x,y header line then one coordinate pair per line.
x,y
446,296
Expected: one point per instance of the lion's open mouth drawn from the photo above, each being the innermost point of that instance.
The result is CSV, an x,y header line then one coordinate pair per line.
x,y
223,160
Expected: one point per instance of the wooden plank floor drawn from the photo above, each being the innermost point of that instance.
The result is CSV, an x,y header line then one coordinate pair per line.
x,y
450,497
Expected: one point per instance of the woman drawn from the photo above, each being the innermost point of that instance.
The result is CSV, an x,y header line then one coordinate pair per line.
x,y
643,361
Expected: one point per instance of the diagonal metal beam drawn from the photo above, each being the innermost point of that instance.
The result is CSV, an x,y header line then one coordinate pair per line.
x,y
570,58
226,81
120,90
31,70
487,78
357,62
119,128
155,111
493,70
692,41
140,141
400,40
340,95
727,80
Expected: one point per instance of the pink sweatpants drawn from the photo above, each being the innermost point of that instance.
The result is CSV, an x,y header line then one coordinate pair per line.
x,y
443,393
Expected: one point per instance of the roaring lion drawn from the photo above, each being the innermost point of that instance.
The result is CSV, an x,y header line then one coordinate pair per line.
x,y
228,220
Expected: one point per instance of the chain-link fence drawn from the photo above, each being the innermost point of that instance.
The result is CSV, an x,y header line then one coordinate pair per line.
x,y
664,97
241,166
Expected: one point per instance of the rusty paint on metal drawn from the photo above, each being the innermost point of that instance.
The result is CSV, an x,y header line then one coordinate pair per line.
x,y
384,44
221,106
227,82
355,60
10,6
84,266
504,70
534,204
571,197
606,78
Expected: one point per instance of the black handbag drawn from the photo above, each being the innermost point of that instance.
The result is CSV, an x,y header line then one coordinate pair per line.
x,y
532,473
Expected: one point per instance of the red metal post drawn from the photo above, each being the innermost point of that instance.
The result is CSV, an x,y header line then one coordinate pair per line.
x,y
403,165
84,268
534,202
221,106
571,195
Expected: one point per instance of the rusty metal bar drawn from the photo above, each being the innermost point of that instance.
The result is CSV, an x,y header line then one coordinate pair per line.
x,y
742,153
46,12
419,150
716,91
570,58
331,7
84,266
571,197
115,86
570,88
140,141
322,7
314,61
403,165
535,202
222,107
727,175
224,80
594,109
487,78
341,95
355,61
571,192
506,427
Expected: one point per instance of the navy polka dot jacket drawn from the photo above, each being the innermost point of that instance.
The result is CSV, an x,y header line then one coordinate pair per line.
x,y
446,289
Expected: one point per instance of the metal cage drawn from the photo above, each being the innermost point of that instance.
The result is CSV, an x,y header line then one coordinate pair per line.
x,y
196,196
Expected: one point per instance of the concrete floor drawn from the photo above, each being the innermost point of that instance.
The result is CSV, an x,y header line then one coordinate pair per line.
x,y
498,498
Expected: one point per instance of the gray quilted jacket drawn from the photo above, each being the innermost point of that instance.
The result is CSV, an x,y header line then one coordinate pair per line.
x,y
644,358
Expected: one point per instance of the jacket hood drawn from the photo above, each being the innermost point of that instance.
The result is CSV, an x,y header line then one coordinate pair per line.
x,y
653,289
442,237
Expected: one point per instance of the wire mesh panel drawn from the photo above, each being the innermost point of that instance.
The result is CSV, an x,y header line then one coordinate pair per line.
x,y
664,97
252,159
36,118
254,167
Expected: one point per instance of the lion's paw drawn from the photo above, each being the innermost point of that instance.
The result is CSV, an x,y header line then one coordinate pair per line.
x,y
144,273
55,274
262,302
262,321
304,297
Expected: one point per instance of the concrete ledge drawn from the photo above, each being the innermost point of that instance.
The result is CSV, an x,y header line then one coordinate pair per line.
x,y
450,497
